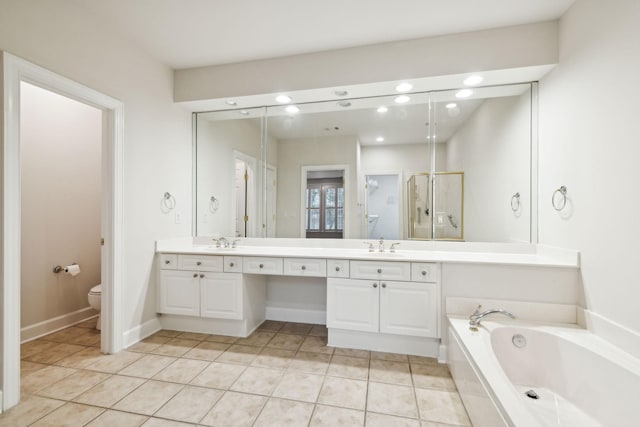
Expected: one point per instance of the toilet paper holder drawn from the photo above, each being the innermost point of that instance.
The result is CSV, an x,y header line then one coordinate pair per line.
x,y
59,269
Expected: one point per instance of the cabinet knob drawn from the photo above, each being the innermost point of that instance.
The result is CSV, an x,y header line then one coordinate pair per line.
x,y
384,285
261,266
198,263
167,262
379,270
424,272
195,274
201,276
231,264
303,267
375,285
337,268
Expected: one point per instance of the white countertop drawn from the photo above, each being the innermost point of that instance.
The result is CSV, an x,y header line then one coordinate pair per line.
x,y
534,255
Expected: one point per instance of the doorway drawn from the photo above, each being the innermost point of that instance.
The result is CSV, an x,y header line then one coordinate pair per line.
x,y
14,72
382,203
244,194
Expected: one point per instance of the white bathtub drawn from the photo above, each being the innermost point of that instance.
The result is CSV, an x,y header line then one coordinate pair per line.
x,y
581,379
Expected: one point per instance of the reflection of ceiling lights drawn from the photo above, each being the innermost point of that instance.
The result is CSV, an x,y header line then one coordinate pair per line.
x,y
402,99
472,80
404,87
451,105
340,93
344,104
382,109
283,99
231,103
292,109
244,112
464,93
380,139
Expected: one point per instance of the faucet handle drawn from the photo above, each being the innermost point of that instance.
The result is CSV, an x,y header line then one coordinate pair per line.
x,y
475,313
217,242
371,249
393,247
234,244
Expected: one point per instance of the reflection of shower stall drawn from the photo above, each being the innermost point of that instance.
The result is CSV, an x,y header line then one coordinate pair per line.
x,y
436,206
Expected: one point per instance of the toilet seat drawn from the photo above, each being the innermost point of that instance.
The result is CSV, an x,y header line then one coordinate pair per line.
x,y
96,290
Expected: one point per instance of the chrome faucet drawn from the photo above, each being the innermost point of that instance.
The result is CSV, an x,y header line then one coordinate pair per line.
x,y
221,241
477,316
381,244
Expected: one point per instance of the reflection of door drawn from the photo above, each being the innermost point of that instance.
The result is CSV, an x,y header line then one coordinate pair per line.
x,y
272,185
242,178
244,195
383,206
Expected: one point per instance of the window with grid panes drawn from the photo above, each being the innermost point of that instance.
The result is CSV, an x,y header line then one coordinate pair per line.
x,y
325,208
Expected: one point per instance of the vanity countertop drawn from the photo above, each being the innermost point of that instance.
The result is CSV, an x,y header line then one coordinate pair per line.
x,y
534,255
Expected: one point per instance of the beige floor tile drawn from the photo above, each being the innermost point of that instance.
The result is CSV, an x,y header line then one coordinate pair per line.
x,y
175,347
207,350
181,371
81,359
271,325
147,366
392,357
286,341
149,344
432,376
89,324
190,405
159,422
281,413
351,352
89,338
113,363
312,363
73,385
240,354
319,331
344,392
111,418
44,378
66,334
384,371
258,338
433,424
442,407
392,399
257,381
70,414
273,358
313,344
30,409
420,360
27,367
381,420
54,354
149,397
111,390
299,386
234,410
296,328
218,375
192,336
34,347
221,338
349,367
329,416
167,333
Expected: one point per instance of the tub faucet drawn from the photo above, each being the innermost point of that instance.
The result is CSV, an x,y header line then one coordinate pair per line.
x,y
477,316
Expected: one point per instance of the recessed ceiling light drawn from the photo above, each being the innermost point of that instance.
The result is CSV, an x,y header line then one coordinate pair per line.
x,y
231,103
283,99
451,105
382,109
243,112
344,104
292,109
472,80
464,93
404,87
380,139
402,99
340,93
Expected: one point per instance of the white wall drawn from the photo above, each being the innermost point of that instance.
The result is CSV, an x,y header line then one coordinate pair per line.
x,y
493,150
64,38
293,154
60,144
589,131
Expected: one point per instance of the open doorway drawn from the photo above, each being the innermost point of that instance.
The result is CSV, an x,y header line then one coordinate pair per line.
x,y
383,205
244,193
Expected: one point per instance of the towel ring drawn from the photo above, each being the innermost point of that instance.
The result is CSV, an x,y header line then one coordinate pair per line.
x,y
214,204
169,201
515,202
562,201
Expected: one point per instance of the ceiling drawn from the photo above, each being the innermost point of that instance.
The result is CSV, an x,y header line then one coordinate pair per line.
x,y
194,33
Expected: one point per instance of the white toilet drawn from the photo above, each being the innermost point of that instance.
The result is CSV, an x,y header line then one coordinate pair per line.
x,y
95,301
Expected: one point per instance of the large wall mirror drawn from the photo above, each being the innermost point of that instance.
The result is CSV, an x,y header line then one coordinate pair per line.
x,y
441,165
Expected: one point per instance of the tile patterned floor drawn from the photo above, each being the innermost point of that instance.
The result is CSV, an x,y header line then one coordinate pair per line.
x,y
282,375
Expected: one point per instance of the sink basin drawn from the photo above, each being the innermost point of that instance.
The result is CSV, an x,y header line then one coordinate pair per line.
x,y
386,254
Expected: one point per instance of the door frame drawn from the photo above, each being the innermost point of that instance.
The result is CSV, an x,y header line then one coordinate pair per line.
x,y
15,70
250,195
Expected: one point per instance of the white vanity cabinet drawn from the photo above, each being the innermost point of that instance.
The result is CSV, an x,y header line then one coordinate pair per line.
x,y
353,304
179,292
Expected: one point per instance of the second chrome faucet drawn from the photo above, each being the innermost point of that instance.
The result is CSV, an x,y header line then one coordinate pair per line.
x,y
477,316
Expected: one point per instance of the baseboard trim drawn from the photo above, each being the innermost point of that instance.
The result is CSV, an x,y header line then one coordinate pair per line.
x,y
32,332
286,314
141,332
417,346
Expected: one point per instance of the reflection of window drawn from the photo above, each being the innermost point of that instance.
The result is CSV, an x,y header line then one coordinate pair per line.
x,y
325,208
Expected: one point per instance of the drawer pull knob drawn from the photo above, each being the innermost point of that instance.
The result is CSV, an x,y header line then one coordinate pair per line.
x,y
337,268
195,274
303,267
424,272
231,264
261,266
167,262
201,276
384,285
198,263
379,270
375,285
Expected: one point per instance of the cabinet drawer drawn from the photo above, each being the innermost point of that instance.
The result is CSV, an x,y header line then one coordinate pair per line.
x,y
380,270
305,267
424,272
337,268
168,261
233,264
200,262
262,265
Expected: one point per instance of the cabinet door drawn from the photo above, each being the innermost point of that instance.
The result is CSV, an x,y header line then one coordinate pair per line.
x,y
179,293
353,304
221,295
409,308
